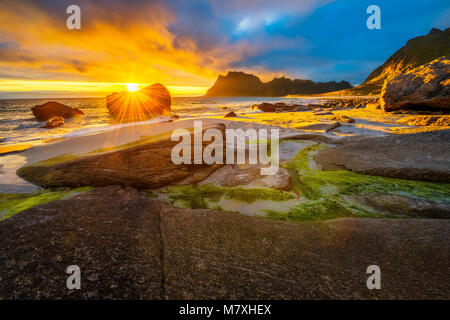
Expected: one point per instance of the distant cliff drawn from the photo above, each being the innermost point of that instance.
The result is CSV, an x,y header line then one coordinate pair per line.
x,y
417,51
239,84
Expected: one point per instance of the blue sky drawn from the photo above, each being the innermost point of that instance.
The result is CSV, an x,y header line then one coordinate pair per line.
x,y
323,41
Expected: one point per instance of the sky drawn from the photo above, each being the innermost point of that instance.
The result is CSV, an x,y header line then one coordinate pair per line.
x,y
186,44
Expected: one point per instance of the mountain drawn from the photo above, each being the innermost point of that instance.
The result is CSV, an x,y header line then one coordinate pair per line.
x,y
417,51
240,84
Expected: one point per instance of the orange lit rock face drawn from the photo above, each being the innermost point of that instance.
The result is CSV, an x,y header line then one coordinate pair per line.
x,y
152,101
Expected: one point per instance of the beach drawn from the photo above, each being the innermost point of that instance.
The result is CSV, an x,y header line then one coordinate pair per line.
x,y
100,131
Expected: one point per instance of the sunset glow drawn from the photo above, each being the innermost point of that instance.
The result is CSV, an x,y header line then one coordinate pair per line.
x,y
94,89
132,87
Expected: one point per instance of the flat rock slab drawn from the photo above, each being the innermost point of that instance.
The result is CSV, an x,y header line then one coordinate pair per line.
x,y
130,246
111,233
420,156
219,255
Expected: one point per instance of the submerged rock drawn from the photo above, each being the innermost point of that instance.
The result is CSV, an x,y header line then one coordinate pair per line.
x,y
402,205
375,106
327,127
343,118
435,121
53,123
420,156
115,235
144,164
427,86
149,102
249,175
230,114
280,107
48,110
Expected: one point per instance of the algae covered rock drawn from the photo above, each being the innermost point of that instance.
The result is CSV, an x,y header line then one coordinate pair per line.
x,y
420,156
129,246
144,164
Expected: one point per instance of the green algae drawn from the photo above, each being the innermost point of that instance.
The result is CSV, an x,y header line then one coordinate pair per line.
x,y
324,193
151,194
69,156
55,160
141,141
203,196
11,204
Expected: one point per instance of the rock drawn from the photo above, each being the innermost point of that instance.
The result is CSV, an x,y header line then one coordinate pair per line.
x,y
435,121
321,126
48,110
332,126
129,246
375,106
420,156
344,119
212,255
250,176
145,165
280,107
425,87
230,114
53,123
149,102
416,52
240,84
111,233
413,207
324,113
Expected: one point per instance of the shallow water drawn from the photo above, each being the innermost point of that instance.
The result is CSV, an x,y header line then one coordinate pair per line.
x,y
18,125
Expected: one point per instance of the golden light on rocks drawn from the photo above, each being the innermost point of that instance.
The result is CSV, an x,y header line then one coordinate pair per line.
x,y
139,105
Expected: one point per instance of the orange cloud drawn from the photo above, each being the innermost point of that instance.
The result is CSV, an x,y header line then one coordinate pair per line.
x,y
129,42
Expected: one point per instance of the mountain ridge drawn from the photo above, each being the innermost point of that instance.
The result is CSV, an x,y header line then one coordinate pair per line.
x,y
416,52
238,83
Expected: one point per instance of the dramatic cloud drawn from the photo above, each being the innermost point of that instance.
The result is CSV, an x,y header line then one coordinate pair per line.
x,y
188,42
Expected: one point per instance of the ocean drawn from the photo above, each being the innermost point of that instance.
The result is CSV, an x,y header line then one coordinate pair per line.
x,y
18,125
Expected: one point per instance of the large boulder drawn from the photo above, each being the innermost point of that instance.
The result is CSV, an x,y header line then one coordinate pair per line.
x,y
48,110
425,87
143,164
149,102
129,246
420,156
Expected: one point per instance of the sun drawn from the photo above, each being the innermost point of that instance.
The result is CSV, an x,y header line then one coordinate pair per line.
x,y
132,87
